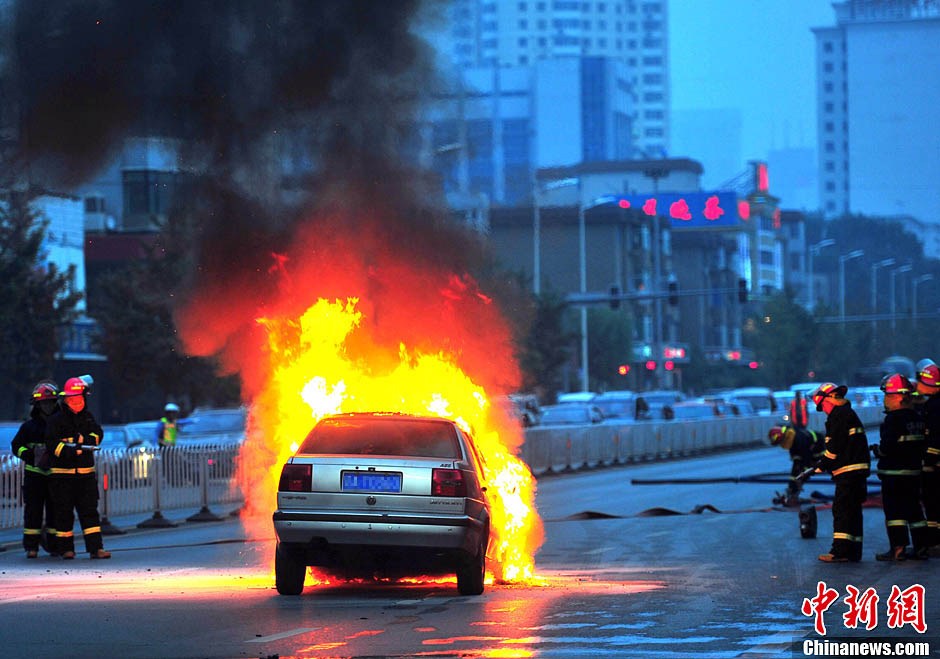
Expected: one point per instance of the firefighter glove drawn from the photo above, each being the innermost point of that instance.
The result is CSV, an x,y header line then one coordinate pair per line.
x,y
875,450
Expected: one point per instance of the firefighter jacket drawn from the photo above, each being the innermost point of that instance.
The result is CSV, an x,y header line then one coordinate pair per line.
x,y
931,412
846,451
903,444
808,447
166,432
64,428
29,444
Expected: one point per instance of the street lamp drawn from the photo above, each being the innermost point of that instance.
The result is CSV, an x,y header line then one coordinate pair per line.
x,y
814,251
874,288
920,280
904,268
854,254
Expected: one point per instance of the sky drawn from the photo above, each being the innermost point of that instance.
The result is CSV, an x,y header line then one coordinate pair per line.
x,y
753,60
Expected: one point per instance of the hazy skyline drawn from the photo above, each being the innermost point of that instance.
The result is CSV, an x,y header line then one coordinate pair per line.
x,y
752,58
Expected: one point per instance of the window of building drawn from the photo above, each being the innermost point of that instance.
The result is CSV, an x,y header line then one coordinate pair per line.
x,y
829,166
828,108
827,67
653,114
830,147
652,43
489,26
542,24
601,7
829,127
653,61
540,6
542,41
523,42
631,44
652,79
830,186
602,43
489,43
523,6
652,97
489,8
523,24
653,132
523,59
827,87
652,26
586,42
830,207
601,25
827,46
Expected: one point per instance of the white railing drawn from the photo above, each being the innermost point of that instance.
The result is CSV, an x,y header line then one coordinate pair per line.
x,y
149,481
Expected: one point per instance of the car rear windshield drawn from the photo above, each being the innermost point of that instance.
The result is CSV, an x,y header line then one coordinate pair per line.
x,y
406,437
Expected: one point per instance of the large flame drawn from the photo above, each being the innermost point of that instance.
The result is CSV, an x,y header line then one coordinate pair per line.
x,y
314,373
365,313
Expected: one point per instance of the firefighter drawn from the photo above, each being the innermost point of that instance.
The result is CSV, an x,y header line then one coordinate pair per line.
x,y
29,446
73,484
846,457
900,459
928,388
168,426
806,448
798,414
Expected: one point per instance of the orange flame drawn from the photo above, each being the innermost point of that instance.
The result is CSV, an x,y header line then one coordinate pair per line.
x,y
314,373
365,312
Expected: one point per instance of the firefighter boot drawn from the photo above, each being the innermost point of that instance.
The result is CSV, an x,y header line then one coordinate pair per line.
x,y
101,553
896,554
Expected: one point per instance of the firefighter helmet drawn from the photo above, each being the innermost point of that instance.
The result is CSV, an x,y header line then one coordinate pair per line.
x,y
928,373
828,390
45,391
171,407
781,436
74,387
896,384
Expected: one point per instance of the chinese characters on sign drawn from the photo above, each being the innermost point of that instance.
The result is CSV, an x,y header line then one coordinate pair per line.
x,y
903,607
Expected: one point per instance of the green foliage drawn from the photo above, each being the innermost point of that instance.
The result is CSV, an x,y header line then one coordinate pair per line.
x,y
139,335
784,338
37,299
547,347
610,341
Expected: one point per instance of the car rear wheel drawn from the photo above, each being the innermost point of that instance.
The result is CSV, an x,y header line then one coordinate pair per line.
x,y
470,575
289,571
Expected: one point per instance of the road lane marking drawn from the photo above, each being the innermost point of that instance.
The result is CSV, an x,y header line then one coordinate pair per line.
x,y
278,637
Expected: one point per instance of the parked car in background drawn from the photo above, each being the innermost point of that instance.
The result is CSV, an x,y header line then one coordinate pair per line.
x,y
619,404
761,399
524,407
575,397
651,403
690,409
571,414
386,494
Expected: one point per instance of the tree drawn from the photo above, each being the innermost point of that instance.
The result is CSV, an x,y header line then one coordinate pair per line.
x,y
37,300
546,348
610,344
139,335
784,338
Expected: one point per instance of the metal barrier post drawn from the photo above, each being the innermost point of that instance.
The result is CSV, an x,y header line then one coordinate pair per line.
x,y
204,515
158,520
107,528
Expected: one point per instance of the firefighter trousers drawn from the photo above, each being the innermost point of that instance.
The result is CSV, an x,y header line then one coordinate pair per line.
x,y
930,496
900,497
37,508
847,524
70,495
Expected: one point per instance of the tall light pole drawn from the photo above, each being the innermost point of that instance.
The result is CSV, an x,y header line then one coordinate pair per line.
x,y
904,268
854,254
537,191
874,288
917,282
813,252
582,269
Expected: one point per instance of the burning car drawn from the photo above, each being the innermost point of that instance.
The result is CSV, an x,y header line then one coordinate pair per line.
x,y
385,494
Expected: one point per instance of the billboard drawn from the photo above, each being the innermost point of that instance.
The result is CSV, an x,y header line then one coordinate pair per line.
x,y
689,210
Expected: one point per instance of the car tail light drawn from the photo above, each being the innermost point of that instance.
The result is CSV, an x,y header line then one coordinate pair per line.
x,y
448,483
296,478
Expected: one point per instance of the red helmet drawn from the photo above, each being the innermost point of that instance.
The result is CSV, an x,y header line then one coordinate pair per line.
x,y
74,387
929,374
44,391
896,384
776,434
828,390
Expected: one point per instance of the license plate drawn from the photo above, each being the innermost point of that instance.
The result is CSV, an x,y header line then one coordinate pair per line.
x,y
371,481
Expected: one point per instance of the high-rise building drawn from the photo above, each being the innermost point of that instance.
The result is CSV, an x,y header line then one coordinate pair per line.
x,y
522,32
878,108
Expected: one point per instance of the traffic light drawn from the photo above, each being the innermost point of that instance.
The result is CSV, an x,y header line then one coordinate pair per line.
x,y
742,290
623,369
614,297
650,365
673,293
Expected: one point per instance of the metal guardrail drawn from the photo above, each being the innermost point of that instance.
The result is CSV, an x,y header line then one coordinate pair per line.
x,y
142,480
149,481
